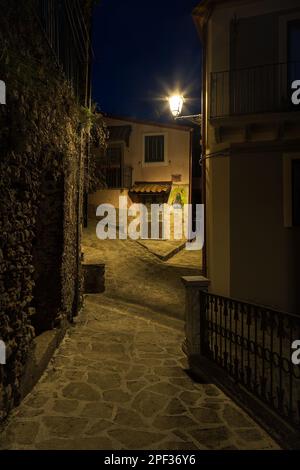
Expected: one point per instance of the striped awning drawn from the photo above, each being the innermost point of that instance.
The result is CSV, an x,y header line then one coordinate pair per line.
x,y
151,188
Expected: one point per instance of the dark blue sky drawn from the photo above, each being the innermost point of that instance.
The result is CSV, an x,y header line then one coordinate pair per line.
x,y
143,50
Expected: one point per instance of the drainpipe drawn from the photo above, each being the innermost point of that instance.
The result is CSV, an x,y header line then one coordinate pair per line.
x,y
203,144
191,166
205,112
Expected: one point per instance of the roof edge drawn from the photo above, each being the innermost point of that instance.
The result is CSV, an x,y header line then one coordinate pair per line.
x,y
146,122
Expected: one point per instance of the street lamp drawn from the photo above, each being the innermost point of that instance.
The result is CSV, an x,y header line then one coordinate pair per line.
x,y
176,104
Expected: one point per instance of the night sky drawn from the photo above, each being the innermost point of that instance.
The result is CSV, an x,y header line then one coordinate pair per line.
x,y
143,51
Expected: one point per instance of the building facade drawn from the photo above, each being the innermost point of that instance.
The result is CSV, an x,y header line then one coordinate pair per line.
x,y
251,138
146,162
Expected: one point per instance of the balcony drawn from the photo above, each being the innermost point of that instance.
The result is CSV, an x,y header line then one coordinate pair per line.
x,y
260,89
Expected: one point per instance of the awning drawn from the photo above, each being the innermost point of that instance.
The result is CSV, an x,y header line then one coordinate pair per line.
x,y
119,134
151,188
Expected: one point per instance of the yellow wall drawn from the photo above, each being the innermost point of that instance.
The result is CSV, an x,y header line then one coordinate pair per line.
x,y
217,224
251,253
265,264
177,152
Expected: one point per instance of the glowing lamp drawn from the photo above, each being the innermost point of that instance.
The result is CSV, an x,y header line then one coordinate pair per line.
x,y
176,103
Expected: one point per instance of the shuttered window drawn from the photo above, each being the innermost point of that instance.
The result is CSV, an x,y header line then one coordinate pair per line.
x,y
154,148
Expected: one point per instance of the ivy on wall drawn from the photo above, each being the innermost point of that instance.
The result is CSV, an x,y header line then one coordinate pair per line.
x,y
41,133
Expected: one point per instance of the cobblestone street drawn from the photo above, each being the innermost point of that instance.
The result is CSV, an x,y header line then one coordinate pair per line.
x,y
137,276
118,381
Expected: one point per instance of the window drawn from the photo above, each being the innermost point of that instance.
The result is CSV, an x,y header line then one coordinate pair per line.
x,y
154,148
296,192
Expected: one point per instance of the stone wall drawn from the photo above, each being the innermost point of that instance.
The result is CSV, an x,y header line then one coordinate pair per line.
x,y
41,179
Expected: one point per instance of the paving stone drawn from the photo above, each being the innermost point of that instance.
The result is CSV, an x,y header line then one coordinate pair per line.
x,y
86,443
97,410
170,362
148,347
28,412
22,432
80,391
149,403
135,439
173,445
173,422
152,378
136,385
213,405
104,381
184,382
168,371
250,435
212,438
37,401
175,407
211,390
99,427
205,415
163,388
129,418
117,396
77,374
235,418
65,406
136,372
190,398
108,349
64,426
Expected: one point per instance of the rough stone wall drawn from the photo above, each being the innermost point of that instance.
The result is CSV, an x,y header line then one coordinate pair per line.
x,y
39,138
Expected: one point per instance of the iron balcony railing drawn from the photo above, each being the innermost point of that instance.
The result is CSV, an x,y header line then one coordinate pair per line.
x,y
261,89
253,345
68,34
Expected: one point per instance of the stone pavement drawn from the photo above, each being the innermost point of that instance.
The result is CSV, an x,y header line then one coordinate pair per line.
x,y
118,381
185,258
163,249
135,275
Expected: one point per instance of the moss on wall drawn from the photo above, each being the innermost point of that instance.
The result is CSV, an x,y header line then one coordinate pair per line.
x,y
40,138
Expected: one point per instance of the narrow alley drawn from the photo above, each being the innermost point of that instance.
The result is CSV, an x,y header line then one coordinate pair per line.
x,y
119,381
132,133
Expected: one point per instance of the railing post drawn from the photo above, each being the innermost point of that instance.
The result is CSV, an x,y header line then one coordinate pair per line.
x,y
193,285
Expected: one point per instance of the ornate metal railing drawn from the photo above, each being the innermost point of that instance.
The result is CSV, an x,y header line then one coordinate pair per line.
x,y
253,345
67,32
265,88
